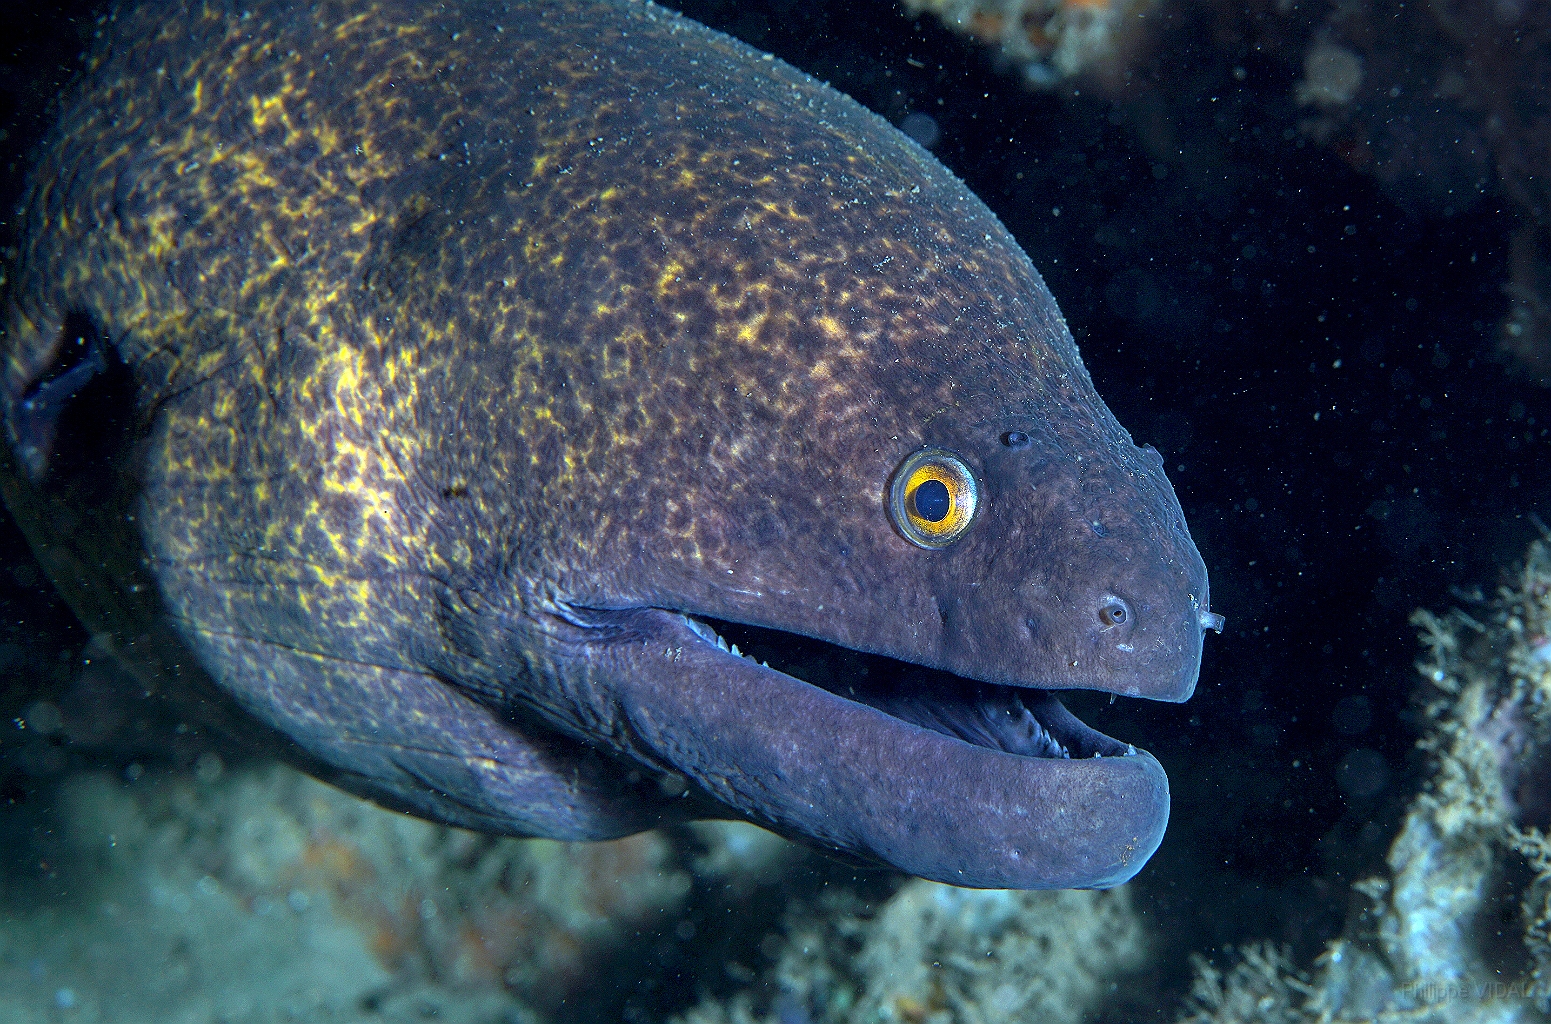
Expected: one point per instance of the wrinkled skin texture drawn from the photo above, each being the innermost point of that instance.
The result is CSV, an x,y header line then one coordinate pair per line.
x,y
460,360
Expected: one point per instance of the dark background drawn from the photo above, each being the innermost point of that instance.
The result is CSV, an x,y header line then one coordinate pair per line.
x,y
1315,347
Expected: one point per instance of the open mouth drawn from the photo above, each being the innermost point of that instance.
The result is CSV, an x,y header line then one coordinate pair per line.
x,y
931,773
1014,720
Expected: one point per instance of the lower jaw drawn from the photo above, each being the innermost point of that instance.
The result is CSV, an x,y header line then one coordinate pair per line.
x,y
822,764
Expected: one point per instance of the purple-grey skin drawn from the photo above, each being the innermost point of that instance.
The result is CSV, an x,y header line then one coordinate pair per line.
x,y
440,382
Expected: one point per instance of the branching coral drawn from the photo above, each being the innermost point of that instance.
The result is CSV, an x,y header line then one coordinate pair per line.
x,y
1263,986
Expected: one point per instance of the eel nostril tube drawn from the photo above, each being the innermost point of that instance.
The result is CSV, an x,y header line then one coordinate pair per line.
x,y
1211,620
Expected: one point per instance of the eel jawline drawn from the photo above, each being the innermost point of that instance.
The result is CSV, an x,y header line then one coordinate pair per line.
x,y
845,775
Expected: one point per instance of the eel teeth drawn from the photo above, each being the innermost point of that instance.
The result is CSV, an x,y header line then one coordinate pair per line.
x,y
1036,735
706,632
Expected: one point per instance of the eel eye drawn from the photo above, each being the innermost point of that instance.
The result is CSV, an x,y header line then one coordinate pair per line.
x,y
933,498
1114,612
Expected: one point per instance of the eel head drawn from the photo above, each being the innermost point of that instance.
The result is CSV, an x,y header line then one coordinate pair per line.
x,y
865,652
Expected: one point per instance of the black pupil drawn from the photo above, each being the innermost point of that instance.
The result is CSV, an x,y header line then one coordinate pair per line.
x,y
932,501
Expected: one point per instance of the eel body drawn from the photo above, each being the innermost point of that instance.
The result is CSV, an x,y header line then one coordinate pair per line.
x,y
448,384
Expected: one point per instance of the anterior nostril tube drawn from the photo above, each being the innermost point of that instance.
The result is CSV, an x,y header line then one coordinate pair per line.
x,y
1212,621
1114,613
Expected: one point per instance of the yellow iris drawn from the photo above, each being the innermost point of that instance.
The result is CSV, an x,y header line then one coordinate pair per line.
x,y
933,498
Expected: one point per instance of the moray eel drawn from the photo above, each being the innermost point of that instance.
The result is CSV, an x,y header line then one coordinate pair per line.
x,y
449,384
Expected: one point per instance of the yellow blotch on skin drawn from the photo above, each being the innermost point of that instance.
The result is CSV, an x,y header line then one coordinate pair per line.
x,y
832,328
266,109
748,333
671,272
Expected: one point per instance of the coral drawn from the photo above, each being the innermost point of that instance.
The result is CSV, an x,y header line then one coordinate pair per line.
x,y
1528,622
944,955
138,923
307,903
740,853
1536,848
1050,40
995,955
1422,952
474,911
1262,986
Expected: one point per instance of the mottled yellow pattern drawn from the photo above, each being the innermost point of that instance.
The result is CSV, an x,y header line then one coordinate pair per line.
x,y
393,283
450,324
